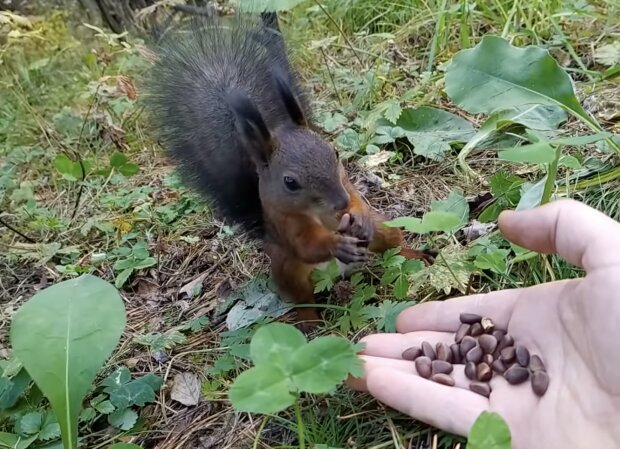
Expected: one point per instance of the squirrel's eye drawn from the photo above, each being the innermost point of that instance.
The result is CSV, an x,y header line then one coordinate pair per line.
x,y
291,184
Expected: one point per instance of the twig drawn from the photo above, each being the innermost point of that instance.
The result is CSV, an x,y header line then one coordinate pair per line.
x,y
16,231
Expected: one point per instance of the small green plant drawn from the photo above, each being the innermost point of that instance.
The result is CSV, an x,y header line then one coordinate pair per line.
x,y
62,336
489,431
287,365
131,259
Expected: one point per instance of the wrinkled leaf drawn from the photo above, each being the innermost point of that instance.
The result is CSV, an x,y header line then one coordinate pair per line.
x,y
125,392
71,327
494,75
275,343
262,389
123,419
322,363
431,131
489,431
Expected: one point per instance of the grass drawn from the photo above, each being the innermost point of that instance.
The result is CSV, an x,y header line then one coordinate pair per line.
x,y
62,95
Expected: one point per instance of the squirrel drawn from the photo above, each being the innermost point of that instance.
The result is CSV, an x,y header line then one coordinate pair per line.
x,y
229,109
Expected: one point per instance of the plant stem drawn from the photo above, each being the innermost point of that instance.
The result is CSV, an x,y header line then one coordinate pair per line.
x,y
552,173
260,430
300,425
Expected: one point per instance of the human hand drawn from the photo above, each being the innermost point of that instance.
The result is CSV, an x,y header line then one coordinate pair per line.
x,y
572,324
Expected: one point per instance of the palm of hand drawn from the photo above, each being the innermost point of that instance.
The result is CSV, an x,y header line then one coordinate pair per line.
x,y
570,324
564,322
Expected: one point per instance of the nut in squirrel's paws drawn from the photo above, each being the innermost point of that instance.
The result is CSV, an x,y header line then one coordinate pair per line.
x,y
359,225
350,249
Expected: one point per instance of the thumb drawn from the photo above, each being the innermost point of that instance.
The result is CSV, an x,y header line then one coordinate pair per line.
x,y
578,233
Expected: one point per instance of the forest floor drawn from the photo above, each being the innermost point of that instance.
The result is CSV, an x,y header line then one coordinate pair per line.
x,y
70,94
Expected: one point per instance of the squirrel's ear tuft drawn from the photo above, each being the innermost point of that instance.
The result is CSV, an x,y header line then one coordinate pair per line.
x,y
288,97
251,127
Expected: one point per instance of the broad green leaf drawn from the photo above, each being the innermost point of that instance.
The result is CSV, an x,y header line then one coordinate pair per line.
x,y
323,363
275,343
262,389
569,161
123,419
401,287
489,431
31,423
435,220
438,220
455,204
50,429
129,169
581,140
535,153
69,170
494,75
71,327
12,441
431,130
125,392
13,389
531,194
538,117
118,159
494,261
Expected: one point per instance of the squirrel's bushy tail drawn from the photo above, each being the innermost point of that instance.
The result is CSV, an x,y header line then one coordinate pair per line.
x,y
186,92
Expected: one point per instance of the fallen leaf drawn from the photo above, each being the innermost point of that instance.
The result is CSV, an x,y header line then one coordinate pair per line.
x,y
193,287
186,389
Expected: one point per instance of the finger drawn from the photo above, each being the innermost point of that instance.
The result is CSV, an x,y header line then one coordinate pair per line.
x,y
443,316
344,222
392,345
580,234
448,408
405,366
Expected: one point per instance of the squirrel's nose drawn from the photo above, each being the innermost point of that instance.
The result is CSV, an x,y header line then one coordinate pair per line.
x,y
341,203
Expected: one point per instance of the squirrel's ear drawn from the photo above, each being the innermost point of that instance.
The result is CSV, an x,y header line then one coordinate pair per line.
x,y
288,97
251,128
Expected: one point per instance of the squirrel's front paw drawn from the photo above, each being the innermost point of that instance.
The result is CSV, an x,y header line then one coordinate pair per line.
x,y
359,225
350,249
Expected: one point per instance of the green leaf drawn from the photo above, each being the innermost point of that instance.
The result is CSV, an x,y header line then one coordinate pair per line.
x,y
536,153
489,431
69,170
494,261
531,194
262,389
118,159
494,75
105,407
387,312
323,363
455,204
31,423
125,392
50,428
401,287
578,141
71,327
569,161
123,419
275,343
393,111
12,441
122,277
129,169
13,389
431,130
